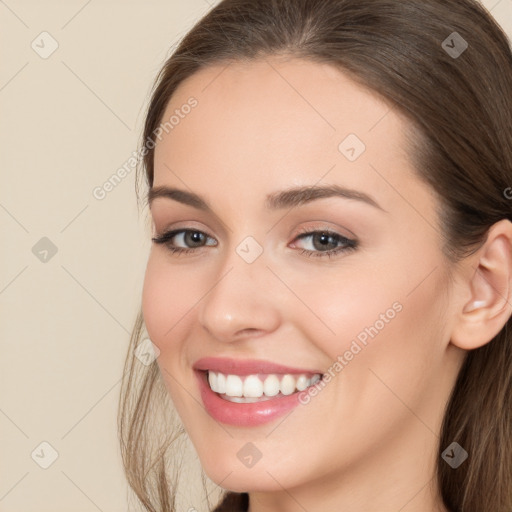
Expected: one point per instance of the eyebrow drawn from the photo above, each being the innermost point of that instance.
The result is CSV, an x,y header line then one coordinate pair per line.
x,y
278,200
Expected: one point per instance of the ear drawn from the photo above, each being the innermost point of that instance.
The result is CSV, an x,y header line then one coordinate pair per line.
x,y
489,287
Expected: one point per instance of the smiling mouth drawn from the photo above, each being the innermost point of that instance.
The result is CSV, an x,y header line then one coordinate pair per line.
x,y
258,387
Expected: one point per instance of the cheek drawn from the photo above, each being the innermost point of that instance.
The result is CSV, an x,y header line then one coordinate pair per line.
x,y
339,306
167,297
387,343
379,317
394,342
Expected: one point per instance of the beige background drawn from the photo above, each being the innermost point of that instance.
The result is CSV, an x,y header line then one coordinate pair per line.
x,y
68,122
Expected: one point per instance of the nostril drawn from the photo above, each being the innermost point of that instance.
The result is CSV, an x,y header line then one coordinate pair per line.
x,y
251,331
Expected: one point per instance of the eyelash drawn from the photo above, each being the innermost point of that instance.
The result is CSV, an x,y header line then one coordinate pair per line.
x,y
349,244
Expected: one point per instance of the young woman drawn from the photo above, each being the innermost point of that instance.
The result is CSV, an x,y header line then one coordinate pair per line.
x,y
329,288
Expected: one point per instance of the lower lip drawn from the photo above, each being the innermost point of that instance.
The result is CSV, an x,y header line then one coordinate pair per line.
x,y
244,415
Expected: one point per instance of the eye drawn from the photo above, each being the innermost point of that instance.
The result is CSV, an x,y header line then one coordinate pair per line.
x,y
192,239
326,244
322,243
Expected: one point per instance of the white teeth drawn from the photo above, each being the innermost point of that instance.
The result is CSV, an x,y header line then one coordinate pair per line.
x,y
271,385
253,387
287,385
243,400
221,383
234,385
302,383
212,380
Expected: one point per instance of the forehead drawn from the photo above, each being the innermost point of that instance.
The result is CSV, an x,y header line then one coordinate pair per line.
x,y
280,121
277,95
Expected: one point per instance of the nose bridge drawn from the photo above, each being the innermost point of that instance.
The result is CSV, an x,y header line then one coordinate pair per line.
x,y
240,297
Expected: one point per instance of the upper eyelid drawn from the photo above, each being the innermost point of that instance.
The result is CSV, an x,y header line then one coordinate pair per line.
x,y
217,222
335,231
302,231
311,195
341,238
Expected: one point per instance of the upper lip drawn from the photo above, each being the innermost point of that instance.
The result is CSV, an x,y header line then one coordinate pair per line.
x,y
242,367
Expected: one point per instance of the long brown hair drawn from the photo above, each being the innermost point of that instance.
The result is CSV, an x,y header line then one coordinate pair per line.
x,y
459,106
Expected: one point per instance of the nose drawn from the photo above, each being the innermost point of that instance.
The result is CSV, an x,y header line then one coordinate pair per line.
x,y
243,301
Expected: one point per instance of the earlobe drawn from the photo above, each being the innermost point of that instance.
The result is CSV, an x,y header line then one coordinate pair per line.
x,y
489,306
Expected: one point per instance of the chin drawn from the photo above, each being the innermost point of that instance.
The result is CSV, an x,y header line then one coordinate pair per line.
x,y
255,479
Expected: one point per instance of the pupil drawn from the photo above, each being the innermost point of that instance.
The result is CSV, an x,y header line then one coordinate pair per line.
x,y
195,237
324,239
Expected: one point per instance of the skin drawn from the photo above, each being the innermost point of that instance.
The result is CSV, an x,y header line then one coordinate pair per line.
x,y
367,441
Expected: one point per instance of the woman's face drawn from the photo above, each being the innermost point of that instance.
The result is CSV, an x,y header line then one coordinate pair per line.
x,y
351,285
